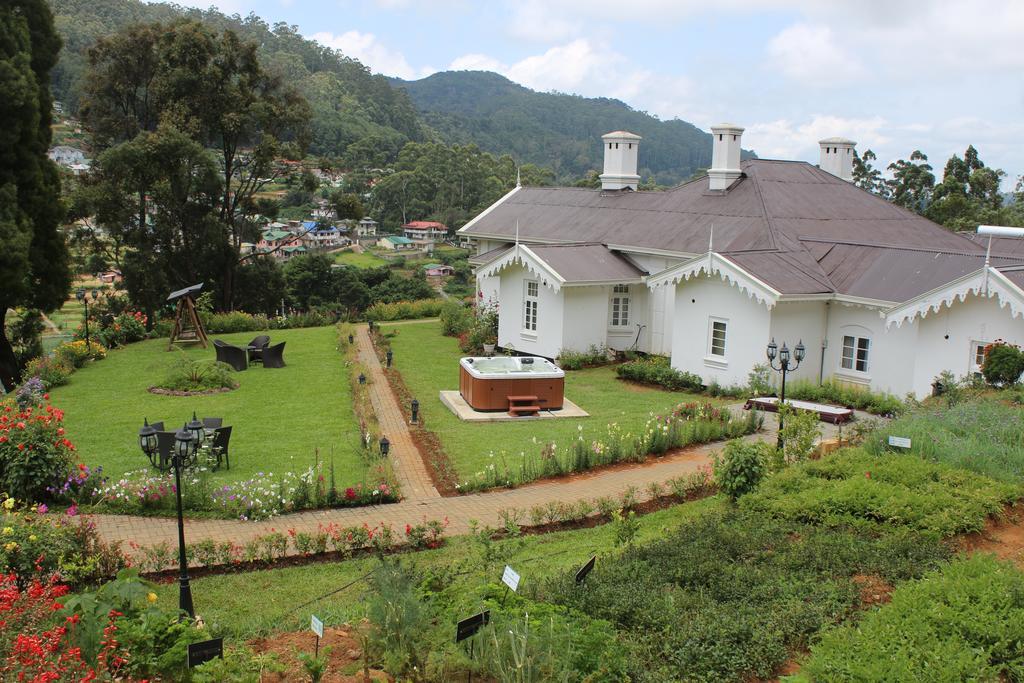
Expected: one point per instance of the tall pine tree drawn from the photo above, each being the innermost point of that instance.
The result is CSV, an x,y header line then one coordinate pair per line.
x,y
33,255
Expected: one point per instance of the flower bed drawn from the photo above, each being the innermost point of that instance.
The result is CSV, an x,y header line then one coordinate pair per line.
x,y
686,425
34,451
405,310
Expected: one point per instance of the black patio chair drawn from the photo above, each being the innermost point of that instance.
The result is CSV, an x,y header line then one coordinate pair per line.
x,y
158,426
256,347
164,451
219,447
212,422
273,356
231,354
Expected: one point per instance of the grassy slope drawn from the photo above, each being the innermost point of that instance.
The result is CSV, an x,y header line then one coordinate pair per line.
x,y
225,601
363,260
429,362
279,416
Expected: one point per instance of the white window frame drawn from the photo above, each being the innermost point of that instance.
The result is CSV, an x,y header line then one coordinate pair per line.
x,y
531,306
975,365
711,338
619,304
856,350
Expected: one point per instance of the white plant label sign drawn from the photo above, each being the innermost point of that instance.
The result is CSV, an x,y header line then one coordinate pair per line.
x,y
317,626
899,441
510,578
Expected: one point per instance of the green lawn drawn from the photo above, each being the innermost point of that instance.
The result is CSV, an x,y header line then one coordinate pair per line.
x,y
429,362
363,260
280,416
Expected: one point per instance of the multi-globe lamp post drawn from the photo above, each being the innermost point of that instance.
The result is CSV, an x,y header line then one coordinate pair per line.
x,y
784,367
186,442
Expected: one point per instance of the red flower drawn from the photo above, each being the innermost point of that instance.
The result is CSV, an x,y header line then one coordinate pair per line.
x,y
350,493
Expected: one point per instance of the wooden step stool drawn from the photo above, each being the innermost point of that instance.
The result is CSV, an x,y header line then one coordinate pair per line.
x,y
522,406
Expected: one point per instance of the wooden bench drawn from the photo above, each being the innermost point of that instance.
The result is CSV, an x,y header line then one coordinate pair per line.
x,y
520,406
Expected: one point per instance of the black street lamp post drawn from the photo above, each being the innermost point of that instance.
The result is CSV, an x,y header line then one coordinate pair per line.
x,y
185,445
784,367
84,300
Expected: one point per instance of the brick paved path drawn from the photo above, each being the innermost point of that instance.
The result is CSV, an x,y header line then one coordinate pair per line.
x,y
421,498
412,475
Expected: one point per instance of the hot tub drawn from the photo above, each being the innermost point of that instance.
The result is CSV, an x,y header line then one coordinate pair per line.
x,y
487,383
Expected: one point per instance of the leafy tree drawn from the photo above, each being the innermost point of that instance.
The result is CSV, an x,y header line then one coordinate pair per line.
x,y
912,182
261,286
346,205
969,194
308,280
33,255
866,176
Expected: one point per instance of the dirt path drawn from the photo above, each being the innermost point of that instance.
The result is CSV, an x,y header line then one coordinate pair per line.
x,y
1004,537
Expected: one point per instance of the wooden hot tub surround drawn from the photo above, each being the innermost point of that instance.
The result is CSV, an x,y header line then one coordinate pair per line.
x,y
486,389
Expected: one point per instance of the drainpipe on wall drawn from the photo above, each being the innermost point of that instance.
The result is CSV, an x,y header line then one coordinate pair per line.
x,y
824,343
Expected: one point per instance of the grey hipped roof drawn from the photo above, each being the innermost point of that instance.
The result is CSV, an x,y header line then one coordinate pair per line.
x,y
587,263
796,227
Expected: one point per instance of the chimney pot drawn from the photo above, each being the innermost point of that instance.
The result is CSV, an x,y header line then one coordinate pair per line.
x,y
725,155
837,157
620,160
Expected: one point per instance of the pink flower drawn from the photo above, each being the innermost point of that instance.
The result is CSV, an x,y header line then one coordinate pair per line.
x,y
72,511
42,509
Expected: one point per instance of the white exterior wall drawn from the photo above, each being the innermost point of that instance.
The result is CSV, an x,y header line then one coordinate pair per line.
x,y
656,313
944,339
547,340
585,318
796,321
621,338
891,356
697,301
490,287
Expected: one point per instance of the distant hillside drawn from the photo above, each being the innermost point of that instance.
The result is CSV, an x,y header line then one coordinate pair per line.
x,y
555,130
349,103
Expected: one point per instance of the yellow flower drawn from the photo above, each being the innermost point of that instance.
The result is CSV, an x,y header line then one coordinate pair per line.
x,y
9,504
10,546
8,531
151,597
33,537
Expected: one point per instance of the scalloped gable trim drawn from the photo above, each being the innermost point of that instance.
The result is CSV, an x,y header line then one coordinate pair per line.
x,y
524,256
713,263
994,285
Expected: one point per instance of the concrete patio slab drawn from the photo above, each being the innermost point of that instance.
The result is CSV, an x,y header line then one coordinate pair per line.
x,y
455,403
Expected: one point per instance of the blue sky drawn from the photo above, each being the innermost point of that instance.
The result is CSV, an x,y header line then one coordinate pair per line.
x,y
894,75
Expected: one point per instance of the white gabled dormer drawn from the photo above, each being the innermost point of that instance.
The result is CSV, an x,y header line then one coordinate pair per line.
x,y
620,160
837,157
725,156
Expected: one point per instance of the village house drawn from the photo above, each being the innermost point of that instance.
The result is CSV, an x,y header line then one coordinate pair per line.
x,y
395,243
438,270
367,227
709,272
425,231
281,244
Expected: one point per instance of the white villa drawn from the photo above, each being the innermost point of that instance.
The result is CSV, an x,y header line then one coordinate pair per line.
x,y
710,271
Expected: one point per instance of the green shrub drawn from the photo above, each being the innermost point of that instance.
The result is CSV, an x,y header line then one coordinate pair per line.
x,y
455,319
234,321
854,488
405,310
657,370
800,432
187,374
831,391
963,622
76,353
53,371
760,381
740,467
35,455
594,356
730,594
1003,364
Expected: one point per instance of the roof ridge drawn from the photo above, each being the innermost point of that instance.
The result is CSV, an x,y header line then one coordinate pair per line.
x,y
902,247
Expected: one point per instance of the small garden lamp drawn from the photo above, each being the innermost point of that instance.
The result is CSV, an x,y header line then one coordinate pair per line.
x,y
362,378
84,300
184,448
196,427
350,339
415,410
147,439
799,352
388,356
385,446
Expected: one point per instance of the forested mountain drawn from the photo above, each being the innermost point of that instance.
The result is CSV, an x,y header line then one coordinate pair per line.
x,y
349,103
552,129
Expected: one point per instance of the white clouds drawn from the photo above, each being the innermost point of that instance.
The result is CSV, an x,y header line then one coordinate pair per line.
x,y
785,139
537,21
367,49
811,55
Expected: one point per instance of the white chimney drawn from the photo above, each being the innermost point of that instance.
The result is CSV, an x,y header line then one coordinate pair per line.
x,y
620,153
837,157
725,155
